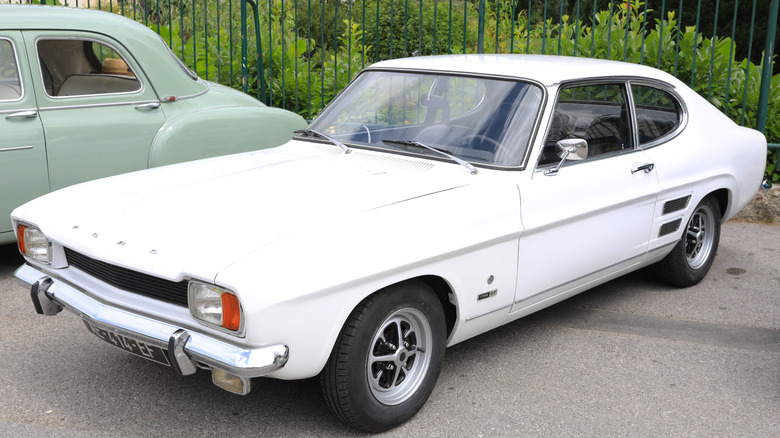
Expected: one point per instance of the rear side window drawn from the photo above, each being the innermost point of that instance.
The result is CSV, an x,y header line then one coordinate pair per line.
x,y
10,84
74,67
658,113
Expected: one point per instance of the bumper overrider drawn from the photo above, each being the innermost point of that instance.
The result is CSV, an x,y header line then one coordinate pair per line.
x,y
232,367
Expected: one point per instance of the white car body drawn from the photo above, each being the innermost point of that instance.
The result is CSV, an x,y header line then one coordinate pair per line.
x,y
303,233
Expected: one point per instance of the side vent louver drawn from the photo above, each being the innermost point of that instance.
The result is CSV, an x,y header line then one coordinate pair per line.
x,y
669,227
676,204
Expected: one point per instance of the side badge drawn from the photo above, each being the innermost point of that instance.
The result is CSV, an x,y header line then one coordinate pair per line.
x,y
482,296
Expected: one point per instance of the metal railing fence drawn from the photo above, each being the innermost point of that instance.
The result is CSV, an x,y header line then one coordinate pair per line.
x,y
298,54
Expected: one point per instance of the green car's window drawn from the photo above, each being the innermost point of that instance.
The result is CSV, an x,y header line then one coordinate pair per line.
x,y
10,85
74,67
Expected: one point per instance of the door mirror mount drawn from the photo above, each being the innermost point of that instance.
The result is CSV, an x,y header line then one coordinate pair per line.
x,y
571,149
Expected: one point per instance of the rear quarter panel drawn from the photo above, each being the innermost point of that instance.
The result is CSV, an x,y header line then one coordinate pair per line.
x,y
711,153
212,132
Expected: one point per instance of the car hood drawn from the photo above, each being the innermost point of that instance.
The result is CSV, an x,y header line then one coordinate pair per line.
x,y
194,219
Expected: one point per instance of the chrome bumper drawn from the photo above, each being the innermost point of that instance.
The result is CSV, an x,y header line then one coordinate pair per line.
x,y
183,348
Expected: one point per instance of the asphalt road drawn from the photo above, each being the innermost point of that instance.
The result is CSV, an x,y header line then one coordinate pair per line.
x,y
630,358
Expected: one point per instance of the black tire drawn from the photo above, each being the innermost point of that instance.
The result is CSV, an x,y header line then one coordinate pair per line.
x,y
376,395
692,257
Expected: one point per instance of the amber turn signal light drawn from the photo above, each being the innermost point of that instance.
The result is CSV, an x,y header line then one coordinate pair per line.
x,y
231,312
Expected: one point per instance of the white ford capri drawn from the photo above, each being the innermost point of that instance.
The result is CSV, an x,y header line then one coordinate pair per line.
x,y
434,199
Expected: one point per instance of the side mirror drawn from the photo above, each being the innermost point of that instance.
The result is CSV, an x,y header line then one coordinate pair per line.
x,y
572,149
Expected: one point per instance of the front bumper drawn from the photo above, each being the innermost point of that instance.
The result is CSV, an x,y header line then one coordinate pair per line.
x,y
183,348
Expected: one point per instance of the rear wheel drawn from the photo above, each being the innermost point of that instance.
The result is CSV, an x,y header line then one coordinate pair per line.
x,y
692,257
387,359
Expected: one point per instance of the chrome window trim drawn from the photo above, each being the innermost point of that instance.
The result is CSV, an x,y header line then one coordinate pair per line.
x,y
98,105
626,81
632,114
600,157
18,72
16,110
531,139
683,111
140,89
193,75
189,96
623,83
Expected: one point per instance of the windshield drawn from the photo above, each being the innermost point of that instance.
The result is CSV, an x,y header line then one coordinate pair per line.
x,y
480,120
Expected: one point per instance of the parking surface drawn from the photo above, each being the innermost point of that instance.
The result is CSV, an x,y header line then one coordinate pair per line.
x,y
630,358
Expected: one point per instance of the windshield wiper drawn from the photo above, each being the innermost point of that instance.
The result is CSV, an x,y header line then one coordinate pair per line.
x,y
312,133
467,165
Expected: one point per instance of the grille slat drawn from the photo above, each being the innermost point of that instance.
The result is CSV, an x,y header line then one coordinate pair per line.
x,y
129,280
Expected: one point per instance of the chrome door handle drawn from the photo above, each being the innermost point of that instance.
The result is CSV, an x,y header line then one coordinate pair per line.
x,y
646,167
23,115
148,106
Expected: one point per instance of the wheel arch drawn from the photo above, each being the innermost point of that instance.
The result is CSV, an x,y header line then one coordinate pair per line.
x,y
723,196
445,294
440,287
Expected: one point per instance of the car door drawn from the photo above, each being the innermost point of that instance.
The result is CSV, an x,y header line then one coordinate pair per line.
x,y
22,150
100,113
588,220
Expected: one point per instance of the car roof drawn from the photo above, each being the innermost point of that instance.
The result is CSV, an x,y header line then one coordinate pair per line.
x,y
58,17
547,69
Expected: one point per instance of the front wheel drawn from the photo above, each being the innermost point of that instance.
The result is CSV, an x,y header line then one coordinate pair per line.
x,y
387,359
692,257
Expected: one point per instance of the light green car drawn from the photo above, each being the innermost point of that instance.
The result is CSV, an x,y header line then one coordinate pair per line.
x,y
86,94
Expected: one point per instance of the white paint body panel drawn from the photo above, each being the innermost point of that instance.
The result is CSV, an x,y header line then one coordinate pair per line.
x,y
302,233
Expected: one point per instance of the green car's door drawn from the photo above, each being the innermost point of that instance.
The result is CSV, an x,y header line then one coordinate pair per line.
x,y
99,112
22,150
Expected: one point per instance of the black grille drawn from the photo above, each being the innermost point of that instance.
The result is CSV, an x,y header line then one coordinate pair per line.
x,y
128,280
669,227
676,204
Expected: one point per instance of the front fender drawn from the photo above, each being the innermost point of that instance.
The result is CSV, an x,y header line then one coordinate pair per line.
x,y
299,290
222,131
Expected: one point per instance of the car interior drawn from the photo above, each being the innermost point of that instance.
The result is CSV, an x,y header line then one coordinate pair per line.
x,y
72,67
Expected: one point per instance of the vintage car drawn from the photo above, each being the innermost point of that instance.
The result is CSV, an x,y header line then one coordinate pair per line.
x,y
434,199
87,94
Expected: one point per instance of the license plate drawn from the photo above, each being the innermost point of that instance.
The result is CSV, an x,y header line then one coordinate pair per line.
x,y
134,346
